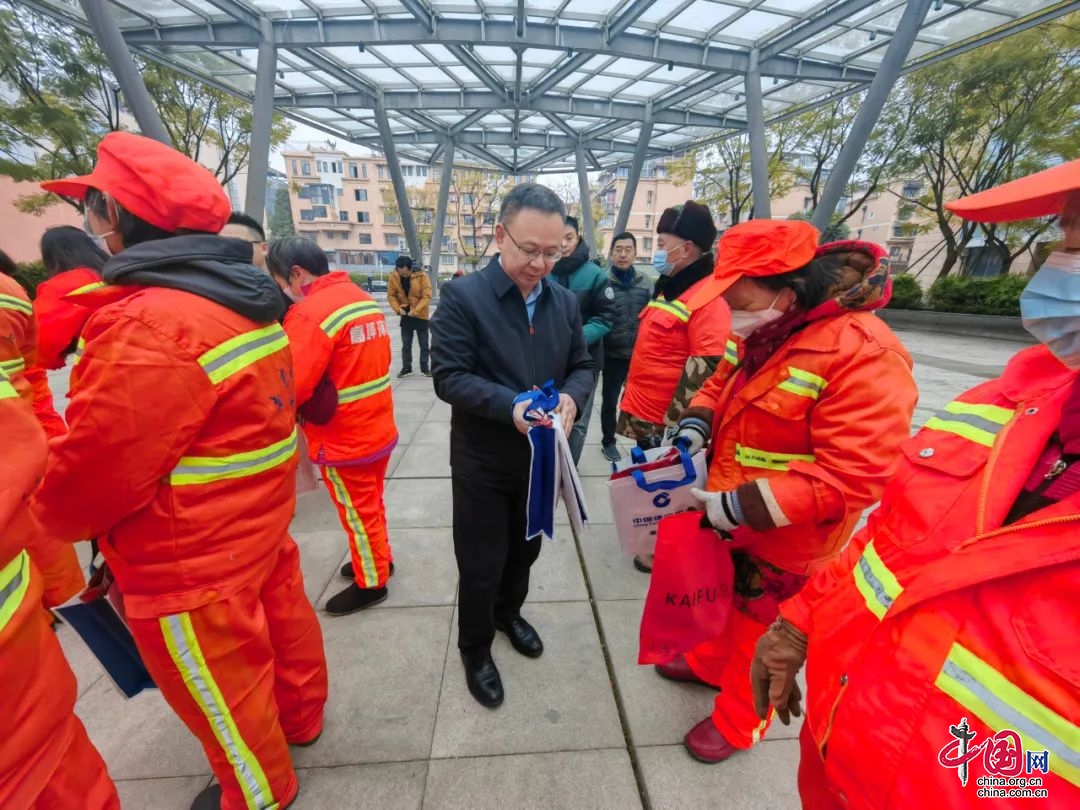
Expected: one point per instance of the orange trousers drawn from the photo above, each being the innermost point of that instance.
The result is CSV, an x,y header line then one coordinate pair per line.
x,y
46,760
247,675
813,784
725,662
357,492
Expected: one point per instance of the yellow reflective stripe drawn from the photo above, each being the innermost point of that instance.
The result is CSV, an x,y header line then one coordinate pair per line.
x,y
731,353
85,288
978,423
803,383
337,319
355,527
14,580
876,582
764,460
994,699
13,367
17,304
7,390
204,469
672,307
357,392
187,655
241,351
80,347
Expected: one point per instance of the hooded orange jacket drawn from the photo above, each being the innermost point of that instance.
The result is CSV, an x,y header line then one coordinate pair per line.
x,y
181,452
339,331
936,612
818,427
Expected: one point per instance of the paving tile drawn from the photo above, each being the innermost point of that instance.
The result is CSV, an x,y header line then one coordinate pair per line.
x,y
415,396
395,459
407,427
440,412
139,738
433,433
556,574
561,701
425,572
385,672
321,555
386,786
583,780
405,509
596,498
611,572
86,667
763,778
174,793
315,512
425,461
411,412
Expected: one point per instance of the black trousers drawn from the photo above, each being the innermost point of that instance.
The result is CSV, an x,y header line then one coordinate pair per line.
x,y
615,372
493,556
410,327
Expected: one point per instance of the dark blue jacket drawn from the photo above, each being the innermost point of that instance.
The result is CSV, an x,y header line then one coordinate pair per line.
x,y
484,353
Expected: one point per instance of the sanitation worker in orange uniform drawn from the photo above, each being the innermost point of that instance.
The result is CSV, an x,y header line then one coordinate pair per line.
x,y
941,646
181,459
46,759
341,353
804,432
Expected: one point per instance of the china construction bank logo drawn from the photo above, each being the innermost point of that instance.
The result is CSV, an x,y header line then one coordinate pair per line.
x,y
1011,772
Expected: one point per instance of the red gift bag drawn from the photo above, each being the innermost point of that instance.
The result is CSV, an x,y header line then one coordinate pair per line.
x,y
690,592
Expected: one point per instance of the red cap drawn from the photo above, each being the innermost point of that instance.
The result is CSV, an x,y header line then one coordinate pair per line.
x,y
764,247
1037,195
153,182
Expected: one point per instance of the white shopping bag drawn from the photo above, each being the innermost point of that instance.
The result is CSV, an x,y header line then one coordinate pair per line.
x,y
569,483
651,490
306,477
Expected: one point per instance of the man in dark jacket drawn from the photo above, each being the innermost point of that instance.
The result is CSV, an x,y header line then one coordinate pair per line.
x,y
597,302
632,290
496,334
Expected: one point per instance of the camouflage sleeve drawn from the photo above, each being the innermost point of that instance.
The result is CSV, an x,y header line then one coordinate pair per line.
x,y
696,372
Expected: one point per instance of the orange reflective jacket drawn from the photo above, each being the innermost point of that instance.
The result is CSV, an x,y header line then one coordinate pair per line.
x,y
696,324
819,424
181,451
59,320
936,613
18,354
339,331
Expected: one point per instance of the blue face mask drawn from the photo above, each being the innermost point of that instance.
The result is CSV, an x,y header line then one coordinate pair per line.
x,y
1050,306
662,263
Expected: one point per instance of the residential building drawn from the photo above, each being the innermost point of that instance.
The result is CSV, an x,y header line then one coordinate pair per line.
x,y
655,192
346,204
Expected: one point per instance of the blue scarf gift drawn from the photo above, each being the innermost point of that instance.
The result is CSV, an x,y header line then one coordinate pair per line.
x,y
543,467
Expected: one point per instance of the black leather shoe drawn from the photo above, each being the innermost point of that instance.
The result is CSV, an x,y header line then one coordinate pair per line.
x,y
348,572
611,452
354,598
405,372
523,637
209,798
482,677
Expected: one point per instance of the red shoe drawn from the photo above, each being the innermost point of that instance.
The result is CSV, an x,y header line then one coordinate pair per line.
x,y
679,670
706,744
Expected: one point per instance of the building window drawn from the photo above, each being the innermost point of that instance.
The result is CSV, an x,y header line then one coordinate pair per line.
x,y
469,242
391,217
895,251
365,238
363,217
648,198
912,190
322,193
646,245
331,235
421,171
436,172
807,203
898,232
382,171
305,168
360,194
343,216
489,219
648,220
294,167
319,211
353,170
363,170
468,199
468,219
407,171
307,216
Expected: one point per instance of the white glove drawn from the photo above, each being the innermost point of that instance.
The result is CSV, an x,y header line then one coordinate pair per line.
x,y
693,433
721,508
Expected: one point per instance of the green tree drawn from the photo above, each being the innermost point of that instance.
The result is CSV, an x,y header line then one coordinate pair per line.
x,y
477,194
837,230
992,115
281,220
422,200
60,98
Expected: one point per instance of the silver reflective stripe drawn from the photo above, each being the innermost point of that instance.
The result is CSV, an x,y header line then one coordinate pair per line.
x,y
991,427
875,584
809,386
1016,721
216,713
240,350
225,470
12,587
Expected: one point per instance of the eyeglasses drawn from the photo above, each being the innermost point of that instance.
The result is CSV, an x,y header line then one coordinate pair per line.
x,y
623,251
549,257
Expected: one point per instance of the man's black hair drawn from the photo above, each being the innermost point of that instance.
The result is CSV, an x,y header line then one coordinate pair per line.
x,y
7,265
240,218
624,235
403,261
530,195
572,223
296,250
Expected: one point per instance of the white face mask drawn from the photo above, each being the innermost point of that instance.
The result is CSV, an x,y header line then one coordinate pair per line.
x,y
99,241
745,322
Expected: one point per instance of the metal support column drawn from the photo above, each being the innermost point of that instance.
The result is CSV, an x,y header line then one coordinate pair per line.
x,y
759,151
585,197
262,119
404,208
870,110
635,172
440,211
107,33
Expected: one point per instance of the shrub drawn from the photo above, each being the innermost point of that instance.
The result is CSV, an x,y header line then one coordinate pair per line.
x,y
999,295
906,292
29,275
